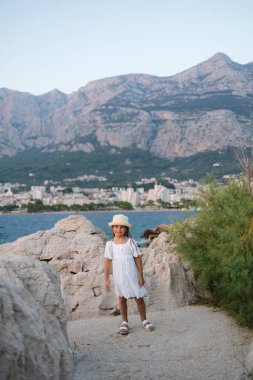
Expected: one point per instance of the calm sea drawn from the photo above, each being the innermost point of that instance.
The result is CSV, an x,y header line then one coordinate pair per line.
x,y
13,226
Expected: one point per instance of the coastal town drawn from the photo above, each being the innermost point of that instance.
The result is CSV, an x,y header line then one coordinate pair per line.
x,y
147,192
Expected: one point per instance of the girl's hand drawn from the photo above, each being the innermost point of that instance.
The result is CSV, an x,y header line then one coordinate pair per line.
x,y
141,281
107,286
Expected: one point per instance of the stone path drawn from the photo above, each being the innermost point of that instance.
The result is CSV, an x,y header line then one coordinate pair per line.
x,y
189,343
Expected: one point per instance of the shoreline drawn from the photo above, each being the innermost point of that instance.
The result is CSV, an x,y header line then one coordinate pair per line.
x,y
94,211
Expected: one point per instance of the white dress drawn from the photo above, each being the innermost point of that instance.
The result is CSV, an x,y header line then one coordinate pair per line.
x,y
125,273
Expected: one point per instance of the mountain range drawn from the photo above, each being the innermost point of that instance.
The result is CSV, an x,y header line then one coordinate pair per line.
x,y
203,110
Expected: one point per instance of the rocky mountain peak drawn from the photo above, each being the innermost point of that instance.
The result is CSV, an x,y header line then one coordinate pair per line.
x,y
219,73
55,93
169,116
220,58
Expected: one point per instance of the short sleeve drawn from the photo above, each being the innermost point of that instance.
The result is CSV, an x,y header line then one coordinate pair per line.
x,y
108,250
135,248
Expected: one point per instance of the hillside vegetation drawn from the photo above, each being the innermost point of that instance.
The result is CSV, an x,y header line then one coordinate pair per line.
x,y
120,167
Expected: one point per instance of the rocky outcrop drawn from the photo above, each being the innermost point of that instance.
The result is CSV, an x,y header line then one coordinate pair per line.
x,y
76,249
33,339
151,233
166,276
207,107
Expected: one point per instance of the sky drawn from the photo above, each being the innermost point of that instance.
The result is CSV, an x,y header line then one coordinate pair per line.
x,y
64,44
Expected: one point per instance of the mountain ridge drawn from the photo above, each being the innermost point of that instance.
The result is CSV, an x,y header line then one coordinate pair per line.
x,y
207,107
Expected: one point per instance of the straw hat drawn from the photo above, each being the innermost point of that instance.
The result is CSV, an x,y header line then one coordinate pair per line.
x,y
120,220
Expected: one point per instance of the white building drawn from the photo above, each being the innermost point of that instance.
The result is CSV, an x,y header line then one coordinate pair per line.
x,y
74,199
130,196
159,192
37,192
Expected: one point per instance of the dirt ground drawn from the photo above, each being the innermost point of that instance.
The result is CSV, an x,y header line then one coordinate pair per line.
x,y
189,343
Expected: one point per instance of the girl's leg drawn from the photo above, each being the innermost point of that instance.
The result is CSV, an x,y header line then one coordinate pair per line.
x,y
141,308
123,308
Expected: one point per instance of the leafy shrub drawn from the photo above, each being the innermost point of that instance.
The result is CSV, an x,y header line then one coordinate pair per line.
x,y
218,243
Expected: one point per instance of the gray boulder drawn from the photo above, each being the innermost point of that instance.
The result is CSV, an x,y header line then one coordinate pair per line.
x,y
33,339
75,248
166,276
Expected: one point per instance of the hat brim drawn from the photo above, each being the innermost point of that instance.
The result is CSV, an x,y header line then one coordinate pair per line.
x,y
111,224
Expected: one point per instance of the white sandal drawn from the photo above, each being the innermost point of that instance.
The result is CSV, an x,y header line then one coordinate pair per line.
x,y
147,325
124,328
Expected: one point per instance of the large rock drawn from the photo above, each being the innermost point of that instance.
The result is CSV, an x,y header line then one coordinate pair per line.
x,y
42,282
76,249
33,339
166,277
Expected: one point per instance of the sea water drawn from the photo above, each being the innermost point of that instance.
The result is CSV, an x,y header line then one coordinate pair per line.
x,y
13,226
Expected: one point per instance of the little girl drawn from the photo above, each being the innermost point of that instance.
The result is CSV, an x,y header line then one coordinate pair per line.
x,y
123,252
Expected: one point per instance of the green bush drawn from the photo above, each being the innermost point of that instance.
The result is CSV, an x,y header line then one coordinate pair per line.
x,y
9,208
218,243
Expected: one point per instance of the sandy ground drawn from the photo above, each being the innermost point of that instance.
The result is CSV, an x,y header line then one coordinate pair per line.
x,y
189,343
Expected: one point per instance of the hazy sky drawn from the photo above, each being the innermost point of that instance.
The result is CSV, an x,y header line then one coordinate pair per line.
x,y
65,44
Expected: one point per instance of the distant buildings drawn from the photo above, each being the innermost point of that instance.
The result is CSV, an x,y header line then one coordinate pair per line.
x,y
11,194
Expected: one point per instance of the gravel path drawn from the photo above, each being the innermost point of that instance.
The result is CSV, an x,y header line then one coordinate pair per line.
x,y
189,343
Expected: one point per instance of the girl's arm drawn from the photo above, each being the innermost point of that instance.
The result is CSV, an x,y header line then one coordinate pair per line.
x,y
107,266
138,263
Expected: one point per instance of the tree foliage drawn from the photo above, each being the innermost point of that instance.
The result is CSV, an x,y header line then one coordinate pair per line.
x,y
218,243
57,166
38,206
